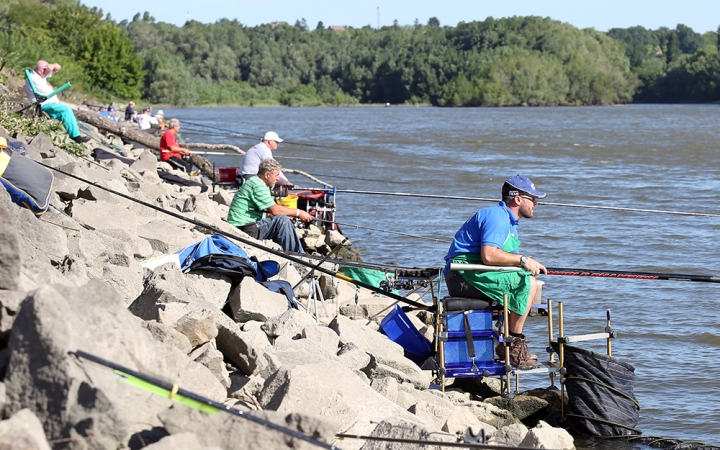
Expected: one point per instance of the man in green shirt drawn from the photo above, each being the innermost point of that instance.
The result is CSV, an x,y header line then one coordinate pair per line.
x,y
253,201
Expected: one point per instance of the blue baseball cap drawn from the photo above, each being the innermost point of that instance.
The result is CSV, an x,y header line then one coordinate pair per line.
x,y
519,185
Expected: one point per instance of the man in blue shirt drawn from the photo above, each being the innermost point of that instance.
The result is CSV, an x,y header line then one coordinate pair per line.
x,y
490,237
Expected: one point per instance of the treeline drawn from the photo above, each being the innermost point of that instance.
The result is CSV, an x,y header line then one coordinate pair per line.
x,y
513,61
673,66
516,61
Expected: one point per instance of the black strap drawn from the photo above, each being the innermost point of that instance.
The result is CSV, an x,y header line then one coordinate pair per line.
x,y
468,335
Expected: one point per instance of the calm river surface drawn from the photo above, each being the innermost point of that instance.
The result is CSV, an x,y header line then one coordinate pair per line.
x,y
644,157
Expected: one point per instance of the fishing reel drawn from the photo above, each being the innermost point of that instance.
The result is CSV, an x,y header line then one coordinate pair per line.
x,y
390,284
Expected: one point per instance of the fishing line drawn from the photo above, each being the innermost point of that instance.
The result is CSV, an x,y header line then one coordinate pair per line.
x,y
569,205
387,231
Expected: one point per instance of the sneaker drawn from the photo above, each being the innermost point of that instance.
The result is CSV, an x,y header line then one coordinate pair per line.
x,y
80,139
520,356
500,351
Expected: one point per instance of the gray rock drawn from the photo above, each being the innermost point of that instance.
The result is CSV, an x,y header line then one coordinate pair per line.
x,y
168,335
387,387
145,161
214,286
199,326
9,306
213,360
388,358
185,441
307,351
230,431
483,387
169,290
331,392
396,428
291,323
9,249
545,436
97,193
41,147
353,357
3,398
462,419
23,431
223,197
322,337
75,398
511,435
104,217
522,406
165,237
253,301
433,413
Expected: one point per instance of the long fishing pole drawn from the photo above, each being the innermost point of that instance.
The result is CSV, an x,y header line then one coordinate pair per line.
x,y
274,156
595,273
243,240
397,233
237,133
174,392
570,205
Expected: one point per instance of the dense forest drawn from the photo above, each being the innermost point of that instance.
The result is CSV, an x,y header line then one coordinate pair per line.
x,y
513,61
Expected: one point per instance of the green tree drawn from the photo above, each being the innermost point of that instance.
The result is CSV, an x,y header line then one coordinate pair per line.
x,y
672,53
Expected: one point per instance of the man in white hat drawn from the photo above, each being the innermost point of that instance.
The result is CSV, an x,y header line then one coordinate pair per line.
x,y
262,151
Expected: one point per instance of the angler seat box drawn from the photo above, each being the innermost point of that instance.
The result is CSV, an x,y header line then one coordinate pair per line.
x,y
461,325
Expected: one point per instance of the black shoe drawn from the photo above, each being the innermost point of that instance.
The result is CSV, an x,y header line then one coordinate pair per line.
x,y
80,139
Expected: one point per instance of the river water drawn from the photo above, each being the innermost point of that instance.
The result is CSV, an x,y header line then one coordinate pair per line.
x,y
659,157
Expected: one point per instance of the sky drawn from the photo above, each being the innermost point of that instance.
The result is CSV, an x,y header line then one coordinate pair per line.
x,y
700,15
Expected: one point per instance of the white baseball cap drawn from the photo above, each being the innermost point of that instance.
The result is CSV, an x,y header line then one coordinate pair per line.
x,y
272,136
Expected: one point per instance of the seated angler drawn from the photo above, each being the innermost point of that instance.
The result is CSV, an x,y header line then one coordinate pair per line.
x,y
52,106
172,153
253,201
259,152
490,237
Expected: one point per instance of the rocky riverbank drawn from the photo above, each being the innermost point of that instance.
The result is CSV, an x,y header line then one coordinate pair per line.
x,y
78,279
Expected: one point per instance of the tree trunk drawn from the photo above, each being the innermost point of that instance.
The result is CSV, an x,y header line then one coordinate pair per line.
x,y
130,131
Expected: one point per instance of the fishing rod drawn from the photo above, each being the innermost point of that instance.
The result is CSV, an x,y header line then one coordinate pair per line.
x,y
424,442
187,398
595,273
237,133
244,240
385,231
274,156
570,205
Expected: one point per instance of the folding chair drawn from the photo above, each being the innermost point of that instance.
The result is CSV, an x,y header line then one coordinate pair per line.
x,y
40,97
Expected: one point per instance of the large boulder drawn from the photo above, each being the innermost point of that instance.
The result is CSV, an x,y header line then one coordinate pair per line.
x,y
75,398
9,249
23,431
231,431
387,357
253,301
545,436
396,428
331,392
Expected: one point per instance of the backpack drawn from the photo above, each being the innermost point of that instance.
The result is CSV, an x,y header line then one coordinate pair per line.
x,y
28,183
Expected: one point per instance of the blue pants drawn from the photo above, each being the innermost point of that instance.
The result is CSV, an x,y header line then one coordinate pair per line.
x,y
280,230
64,114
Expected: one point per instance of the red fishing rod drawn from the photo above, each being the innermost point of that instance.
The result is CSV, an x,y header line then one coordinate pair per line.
x,y
595,273
632,275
